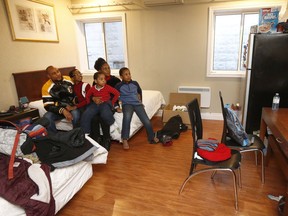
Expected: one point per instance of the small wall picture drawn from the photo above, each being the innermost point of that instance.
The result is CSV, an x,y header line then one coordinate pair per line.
x,y
32,20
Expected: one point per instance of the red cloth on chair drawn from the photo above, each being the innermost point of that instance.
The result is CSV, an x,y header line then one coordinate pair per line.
x,y
221,153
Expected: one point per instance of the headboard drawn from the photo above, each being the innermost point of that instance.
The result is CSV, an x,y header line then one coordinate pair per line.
x,y
30,83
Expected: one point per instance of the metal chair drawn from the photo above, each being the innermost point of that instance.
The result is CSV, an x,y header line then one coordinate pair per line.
x,y
256,146
228,165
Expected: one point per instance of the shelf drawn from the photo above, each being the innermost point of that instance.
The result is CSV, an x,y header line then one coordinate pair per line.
x,y
109,7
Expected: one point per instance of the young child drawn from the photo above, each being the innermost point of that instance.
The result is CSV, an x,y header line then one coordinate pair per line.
x,y
131,99
104,105
80,89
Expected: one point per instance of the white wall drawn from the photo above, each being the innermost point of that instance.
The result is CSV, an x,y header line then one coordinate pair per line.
x,y
167,47
20,56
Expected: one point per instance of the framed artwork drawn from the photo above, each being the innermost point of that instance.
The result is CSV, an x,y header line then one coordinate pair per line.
x,y
32,20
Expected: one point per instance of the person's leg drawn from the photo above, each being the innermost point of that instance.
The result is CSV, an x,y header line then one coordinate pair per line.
x,y
106,113
76,118
52,117
141,113
95,129
127,116
85,123
105,128
106,141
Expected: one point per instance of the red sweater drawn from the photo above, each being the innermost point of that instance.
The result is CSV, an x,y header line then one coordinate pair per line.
x,y
80,90
105,94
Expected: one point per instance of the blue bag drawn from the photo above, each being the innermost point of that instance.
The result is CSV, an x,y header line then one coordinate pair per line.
x,y
235,128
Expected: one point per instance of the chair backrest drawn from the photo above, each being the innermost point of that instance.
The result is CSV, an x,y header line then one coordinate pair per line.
x,y
196,122
225,127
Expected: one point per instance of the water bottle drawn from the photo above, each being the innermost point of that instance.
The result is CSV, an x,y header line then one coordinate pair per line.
x,y
276,101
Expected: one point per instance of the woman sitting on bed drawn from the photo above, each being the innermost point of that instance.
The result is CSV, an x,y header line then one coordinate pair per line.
x,y
102,66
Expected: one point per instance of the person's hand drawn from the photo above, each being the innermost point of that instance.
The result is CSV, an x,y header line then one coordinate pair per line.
x,y
97,100
68,115
70,108
119,110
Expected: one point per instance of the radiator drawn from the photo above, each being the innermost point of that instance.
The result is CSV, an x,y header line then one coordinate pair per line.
x,y
205,93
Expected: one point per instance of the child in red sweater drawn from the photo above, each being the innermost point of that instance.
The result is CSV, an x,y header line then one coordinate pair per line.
x,y
80,89
104,105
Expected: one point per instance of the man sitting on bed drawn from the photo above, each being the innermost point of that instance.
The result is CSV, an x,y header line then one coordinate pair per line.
x,y
58,99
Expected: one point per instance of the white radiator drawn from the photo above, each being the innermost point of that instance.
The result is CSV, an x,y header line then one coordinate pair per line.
x,y
205,93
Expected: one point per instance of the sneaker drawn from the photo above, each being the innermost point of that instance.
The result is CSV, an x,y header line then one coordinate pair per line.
x,y
154,141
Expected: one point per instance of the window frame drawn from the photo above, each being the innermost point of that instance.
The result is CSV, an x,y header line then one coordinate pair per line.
x,y
228,10
80,20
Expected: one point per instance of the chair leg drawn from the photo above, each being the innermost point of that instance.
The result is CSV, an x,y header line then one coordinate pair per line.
x,y
190,176
235,189
262,167
213,174
256,158
214,170
239,177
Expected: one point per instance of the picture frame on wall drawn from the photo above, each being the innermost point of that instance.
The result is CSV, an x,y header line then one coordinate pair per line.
x,y
32,20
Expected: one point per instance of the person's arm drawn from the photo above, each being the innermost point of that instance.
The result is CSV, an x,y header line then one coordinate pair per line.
x,y
89,95
49,102
84,102
139,90
115,94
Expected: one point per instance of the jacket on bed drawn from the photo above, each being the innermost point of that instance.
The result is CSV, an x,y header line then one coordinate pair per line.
x,y
30,188
64,148
58,95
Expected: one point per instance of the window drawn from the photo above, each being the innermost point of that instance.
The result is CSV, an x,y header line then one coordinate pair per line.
x,y
229,30
102,36
230,40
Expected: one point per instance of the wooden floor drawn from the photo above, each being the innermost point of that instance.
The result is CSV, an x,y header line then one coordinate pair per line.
x,y
146,179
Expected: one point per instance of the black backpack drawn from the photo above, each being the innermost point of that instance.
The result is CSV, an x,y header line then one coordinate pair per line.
x,y
172,128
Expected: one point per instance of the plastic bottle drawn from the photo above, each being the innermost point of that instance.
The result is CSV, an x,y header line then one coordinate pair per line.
x,y
276,101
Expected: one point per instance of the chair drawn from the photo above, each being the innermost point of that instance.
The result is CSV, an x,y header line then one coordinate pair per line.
x,y
256,146
228,165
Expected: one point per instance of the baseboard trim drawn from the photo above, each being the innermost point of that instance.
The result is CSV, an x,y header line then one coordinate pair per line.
x,y
212,116
204,115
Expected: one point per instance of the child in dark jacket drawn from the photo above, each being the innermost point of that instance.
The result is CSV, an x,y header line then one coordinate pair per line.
x,y
131,100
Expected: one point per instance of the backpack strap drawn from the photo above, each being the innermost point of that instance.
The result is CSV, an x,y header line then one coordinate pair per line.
x,y
16,141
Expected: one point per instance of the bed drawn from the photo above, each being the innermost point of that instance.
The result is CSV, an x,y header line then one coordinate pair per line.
x,y
26,86
66,181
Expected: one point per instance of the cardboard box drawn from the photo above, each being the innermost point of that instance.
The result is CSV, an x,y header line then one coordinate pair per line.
x,y
268,20
179,99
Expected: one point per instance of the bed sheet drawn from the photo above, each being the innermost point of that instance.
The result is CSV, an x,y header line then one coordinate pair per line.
x,y
66,182
152,101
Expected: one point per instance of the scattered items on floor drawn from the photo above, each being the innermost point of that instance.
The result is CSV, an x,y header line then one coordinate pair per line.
x,y
171,130
179,108
275,198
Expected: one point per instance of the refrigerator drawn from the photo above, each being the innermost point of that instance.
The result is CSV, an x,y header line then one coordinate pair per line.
x,y
266,74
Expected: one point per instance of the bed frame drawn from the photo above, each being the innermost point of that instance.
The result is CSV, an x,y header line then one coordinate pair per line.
x,y
30,83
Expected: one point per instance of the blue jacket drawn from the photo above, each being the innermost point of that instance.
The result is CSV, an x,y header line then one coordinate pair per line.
x,y
129,92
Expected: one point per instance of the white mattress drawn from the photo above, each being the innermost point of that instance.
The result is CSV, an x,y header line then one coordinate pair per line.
x,y
152,101
66,182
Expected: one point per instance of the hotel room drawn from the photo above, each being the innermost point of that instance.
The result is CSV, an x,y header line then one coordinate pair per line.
x,y
165,46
